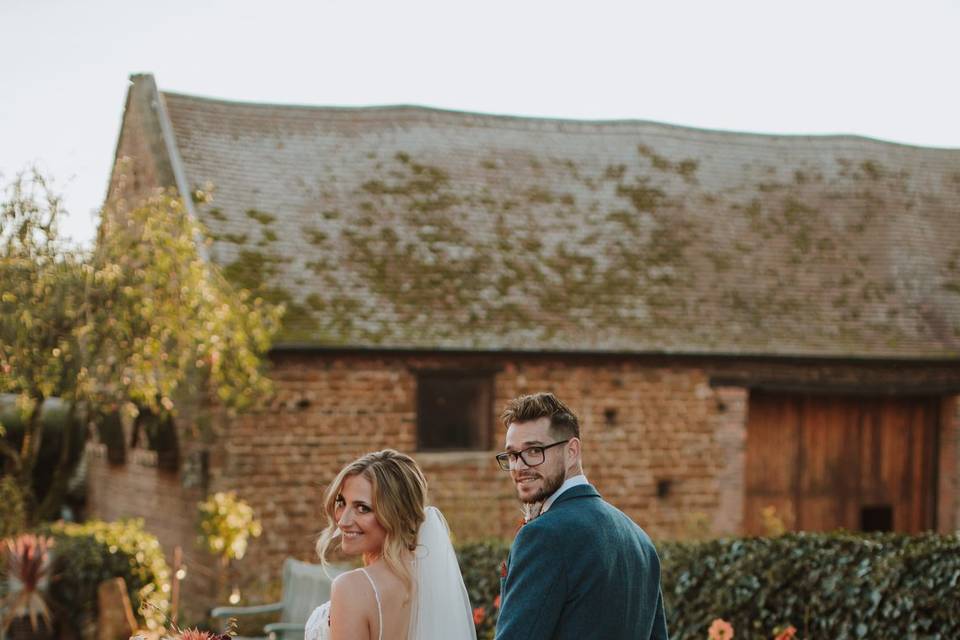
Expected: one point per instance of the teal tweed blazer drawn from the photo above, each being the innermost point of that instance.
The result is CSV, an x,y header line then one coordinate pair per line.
x,y
582,571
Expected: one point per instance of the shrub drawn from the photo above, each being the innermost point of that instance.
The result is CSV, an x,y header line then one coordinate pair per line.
x,y
836,586
226,525
89,553
13,514
480,563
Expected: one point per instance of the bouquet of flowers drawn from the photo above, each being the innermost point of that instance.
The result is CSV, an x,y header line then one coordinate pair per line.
x,y
190,634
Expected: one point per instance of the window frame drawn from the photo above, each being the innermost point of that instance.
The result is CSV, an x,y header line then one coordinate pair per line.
x,y
480,434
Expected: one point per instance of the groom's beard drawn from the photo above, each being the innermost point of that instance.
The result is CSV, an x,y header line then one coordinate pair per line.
x,y
550,485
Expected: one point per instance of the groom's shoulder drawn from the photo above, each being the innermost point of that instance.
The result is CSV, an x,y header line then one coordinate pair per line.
x,y
593,510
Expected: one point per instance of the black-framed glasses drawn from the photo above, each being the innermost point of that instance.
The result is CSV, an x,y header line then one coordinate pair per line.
x,y
531,456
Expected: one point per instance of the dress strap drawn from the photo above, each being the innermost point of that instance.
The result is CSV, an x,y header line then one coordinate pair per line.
x,y
379,610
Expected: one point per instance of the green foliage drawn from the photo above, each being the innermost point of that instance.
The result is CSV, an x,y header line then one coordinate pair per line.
x,y
55,420
13,518
174,319
836,586
140,322
480,563
41,301
89,553
226,525
839,586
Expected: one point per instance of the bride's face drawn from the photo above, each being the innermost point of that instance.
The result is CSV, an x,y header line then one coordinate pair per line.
x,y
360,532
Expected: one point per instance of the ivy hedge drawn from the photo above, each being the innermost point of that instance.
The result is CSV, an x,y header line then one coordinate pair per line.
x,y
480,565
842,586
838,585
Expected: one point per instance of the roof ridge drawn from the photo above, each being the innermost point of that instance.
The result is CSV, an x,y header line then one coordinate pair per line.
x,y
545,122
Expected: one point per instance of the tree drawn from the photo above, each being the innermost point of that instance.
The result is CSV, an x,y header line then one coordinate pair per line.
x,y
142,321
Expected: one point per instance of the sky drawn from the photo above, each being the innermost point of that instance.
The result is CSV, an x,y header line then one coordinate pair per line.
x,y
887,70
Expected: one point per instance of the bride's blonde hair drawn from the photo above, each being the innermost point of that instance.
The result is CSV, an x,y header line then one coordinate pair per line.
x,y
399,500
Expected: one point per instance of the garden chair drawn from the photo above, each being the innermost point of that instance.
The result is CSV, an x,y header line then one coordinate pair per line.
x,y
305,587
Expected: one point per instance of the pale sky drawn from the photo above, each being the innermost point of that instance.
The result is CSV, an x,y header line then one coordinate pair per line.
x,y
888,70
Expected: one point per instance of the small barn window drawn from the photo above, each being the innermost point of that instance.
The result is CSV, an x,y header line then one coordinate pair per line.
x,y
160,433
454,411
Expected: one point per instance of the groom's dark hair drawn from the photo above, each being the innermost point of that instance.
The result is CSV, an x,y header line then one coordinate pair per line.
x,y
563,422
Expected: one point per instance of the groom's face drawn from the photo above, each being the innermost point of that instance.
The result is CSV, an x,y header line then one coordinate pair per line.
x,y
535,484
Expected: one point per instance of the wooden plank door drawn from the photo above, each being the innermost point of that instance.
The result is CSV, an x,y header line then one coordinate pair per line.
x,y
826,462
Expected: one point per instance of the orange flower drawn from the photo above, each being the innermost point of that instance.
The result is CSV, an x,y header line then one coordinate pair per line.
x,y
786,634
478,615
720,630
496,601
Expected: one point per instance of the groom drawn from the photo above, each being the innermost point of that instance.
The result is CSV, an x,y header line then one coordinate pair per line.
x,y
579,568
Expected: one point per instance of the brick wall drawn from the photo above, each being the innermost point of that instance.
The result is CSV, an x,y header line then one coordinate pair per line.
x,y
140,489
663,440
141,156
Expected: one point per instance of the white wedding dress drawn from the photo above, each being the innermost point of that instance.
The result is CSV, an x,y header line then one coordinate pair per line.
x,y
441,607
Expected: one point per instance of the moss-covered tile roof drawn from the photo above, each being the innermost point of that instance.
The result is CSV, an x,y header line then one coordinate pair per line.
x,y
407,227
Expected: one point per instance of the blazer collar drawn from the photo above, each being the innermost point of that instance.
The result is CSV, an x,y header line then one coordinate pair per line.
x,y
579,491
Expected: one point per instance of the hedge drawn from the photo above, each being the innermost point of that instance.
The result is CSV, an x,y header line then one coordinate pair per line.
x,y
480,564
89,553
839,585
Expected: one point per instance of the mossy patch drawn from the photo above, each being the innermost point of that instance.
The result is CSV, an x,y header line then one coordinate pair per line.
x,y
614,172
872,169
686,168
261,216
320,266
315,302
234,238
537,195
643,196
254,271
315,236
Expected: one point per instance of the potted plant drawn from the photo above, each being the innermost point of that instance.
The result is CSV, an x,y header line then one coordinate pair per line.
x,y
24,610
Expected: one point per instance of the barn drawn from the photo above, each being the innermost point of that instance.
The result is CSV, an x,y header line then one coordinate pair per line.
x,y
752,327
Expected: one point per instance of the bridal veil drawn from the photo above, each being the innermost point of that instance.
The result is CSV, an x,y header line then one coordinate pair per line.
x,y
441,606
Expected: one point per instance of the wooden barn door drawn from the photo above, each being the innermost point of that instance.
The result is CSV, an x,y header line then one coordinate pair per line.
x,y
825,462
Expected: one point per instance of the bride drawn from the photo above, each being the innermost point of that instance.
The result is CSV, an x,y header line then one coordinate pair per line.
x,y
410,587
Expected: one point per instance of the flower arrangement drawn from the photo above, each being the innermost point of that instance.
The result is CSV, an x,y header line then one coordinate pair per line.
x,y
190,634
28,575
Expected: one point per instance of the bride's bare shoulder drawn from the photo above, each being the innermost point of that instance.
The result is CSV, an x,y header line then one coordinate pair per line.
x,y
350,584
352,606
